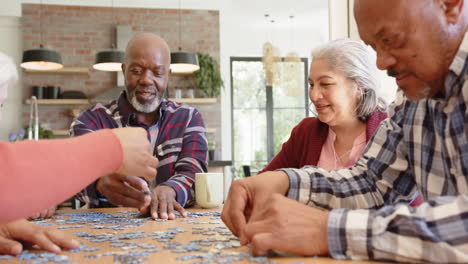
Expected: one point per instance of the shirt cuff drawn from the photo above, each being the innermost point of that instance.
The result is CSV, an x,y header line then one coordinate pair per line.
x,y
294,184
349,234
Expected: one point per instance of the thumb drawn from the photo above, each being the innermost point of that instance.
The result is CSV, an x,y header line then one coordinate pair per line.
x,y
263,242
149,173
137,183
10,247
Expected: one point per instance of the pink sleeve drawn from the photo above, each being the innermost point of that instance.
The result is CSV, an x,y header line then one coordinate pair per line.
x,y
39,174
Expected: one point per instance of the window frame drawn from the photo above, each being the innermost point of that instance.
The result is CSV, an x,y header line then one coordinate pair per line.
x,y
269,107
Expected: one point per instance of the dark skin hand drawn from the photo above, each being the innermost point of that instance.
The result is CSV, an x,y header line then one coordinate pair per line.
x,y
286,225
163,204
124,191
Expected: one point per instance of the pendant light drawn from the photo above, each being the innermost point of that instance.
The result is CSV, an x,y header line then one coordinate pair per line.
x,y
183,61
110,60
292,77
41,58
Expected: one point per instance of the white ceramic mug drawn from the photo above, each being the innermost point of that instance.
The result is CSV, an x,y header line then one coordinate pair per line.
x,y
209,189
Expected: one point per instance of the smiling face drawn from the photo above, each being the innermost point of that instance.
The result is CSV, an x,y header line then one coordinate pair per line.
x,y
146,72
334,96
411,39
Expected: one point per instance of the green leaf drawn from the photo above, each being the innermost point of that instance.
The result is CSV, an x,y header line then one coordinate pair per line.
x,y
208,78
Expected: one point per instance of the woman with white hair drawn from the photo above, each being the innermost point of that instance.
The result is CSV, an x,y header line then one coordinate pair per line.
x,y
343,82
39,174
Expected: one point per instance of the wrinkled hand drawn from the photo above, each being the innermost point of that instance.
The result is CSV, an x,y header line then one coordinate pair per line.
x,y
163,204
124,190
22,230
286,225
48,213
246,194
138,156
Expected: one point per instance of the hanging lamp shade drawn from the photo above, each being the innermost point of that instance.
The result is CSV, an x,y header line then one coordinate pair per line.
x,y
109,60
41,59
184,62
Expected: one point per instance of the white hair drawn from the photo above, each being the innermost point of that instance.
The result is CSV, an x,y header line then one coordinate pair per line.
x,y
356,62
8,72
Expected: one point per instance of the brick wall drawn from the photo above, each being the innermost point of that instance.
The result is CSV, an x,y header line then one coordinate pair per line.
x,y
79,32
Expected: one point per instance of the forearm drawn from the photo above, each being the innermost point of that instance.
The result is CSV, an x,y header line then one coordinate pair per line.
x,y
47,172
383,171
317,187
433,232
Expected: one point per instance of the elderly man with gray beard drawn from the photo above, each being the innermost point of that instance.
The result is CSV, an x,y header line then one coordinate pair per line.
x,y
176,132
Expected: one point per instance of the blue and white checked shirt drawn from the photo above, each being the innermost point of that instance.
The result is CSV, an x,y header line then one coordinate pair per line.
x,y
422,147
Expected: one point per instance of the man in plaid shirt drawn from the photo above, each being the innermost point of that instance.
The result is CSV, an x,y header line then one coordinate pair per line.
x,y
176,132
421,148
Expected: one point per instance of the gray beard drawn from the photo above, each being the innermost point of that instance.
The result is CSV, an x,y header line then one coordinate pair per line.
x,y
423,94
145,108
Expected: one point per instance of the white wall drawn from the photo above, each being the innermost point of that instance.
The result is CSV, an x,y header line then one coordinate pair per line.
x,y
11,44
338,19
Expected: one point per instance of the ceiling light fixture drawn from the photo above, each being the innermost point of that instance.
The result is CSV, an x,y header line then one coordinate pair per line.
x,y
183,61
41,59
110,60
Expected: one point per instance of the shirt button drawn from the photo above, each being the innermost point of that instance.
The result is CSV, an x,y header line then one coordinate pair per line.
x,y
453,171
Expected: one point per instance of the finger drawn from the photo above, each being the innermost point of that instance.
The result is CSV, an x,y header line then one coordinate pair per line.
x,y
149,173
180,209
144,210
236,215
10,247
117,189
153,162
253,228
40,239
35,216
122,200
264,242
51,212
154,207
62,239
163,208
170,210
137,183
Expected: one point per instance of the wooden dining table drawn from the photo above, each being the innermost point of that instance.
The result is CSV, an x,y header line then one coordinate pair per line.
x,y
142,235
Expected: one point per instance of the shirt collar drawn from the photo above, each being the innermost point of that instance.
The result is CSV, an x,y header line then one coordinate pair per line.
x,y
128,114
457,69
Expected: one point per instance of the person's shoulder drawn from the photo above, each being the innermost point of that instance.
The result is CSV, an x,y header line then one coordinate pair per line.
x,y
308,124
103,108
99,111
179,108
378,116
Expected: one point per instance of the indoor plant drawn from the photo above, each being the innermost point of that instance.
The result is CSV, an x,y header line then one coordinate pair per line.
x,y
208,78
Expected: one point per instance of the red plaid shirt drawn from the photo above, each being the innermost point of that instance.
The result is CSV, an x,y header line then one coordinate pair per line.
x,y
178,138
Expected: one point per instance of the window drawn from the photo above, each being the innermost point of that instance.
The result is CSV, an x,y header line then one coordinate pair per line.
x,y
263,116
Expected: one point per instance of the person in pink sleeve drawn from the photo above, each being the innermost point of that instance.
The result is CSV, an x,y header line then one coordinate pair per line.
x,y
44,174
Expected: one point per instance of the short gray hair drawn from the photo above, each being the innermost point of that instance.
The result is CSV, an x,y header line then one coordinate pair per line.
x,y
8,72
357,63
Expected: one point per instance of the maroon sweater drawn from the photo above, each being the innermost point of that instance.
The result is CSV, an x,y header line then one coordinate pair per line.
x,y
307,138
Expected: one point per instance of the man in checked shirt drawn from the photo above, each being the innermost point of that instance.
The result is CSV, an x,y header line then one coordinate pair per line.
x,y
363,212
176,132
